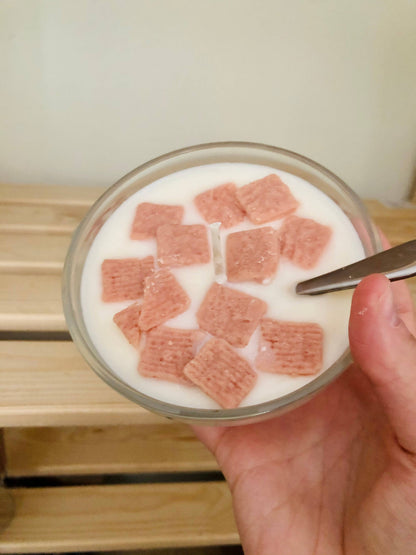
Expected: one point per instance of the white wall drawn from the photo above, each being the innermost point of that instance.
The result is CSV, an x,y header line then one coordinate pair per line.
x,y
91,89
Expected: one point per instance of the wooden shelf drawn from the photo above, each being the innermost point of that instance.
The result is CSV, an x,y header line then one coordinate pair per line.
x,y
60,419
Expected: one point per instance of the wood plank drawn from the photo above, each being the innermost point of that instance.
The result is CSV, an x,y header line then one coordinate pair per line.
x,y
33,253
40,219
397,222
120,517
47,383
49,194
31,302
164,447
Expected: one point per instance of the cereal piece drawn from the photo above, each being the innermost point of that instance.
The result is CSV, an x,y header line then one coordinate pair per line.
x,y
267,199
167,351
290,347
252,255
163,299
221,373
128,322
303,240
220,204
150,216
230,314
182,245
123,278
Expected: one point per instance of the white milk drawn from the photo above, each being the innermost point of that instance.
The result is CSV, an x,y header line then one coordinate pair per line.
x,y
331,311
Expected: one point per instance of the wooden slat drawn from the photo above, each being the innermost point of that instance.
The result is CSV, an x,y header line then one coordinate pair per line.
x,y
120,517
40,219
397,222
31,302
47,383
33,253
49,194
164,447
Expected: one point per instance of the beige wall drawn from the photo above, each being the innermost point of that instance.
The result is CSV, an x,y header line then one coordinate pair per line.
x,y
90,89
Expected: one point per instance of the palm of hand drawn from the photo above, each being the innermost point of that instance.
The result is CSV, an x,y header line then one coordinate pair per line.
x,y
328,478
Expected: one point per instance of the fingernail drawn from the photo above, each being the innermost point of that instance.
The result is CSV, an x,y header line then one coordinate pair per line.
x,y
389,307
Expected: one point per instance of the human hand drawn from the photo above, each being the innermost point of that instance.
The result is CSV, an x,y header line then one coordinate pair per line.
x,y
338,474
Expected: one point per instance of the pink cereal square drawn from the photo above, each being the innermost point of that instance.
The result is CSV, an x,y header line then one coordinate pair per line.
x,y
221,373
220,204
267,199
164,298
149,217
128,322
290,347
230,314
167,351
252,255
123,278
303,240
182,245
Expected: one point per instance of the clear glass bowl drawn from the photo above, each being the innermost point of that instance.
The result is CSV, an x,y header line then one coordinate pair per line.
x,y
164,165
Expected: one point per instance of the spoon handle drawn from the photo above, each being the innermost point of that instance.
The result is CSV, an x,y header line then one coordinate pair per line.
x,y
395,263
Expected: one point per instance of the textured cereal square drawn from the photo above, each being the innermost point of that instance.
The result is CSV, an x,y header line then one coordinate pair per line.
x,y
123,278
128,322
230,314
149,217
290,347
220,204
303,240
221,373
167,351
252,255
267,199
182,245
163,299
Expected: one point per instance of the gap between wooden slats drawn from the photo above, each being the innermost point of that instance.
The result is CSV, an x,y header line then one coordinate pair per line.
x,y
120,517
47,383
162,447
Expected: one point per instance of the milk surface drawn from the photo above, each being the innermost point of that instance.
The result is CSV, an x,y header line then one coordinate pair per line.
x,y
331,311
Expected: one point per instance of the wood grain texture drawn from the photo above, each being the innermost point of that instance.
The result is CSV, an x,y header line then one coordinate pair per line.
x,y
398,223
31,301
92,518
33,252
23,218
47,383
49,194
161,447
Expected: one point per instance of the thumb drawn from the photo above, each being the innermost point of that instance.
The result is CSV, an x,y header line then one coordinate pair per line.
x,y
384,348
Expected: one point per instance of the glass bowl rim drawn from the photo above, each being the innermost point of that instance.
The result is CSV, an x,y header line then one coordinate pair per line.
x,y
170,410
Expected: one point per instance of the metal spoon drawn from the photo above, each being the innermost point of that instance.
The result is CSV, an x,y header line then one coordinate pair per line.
x,y
395,263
